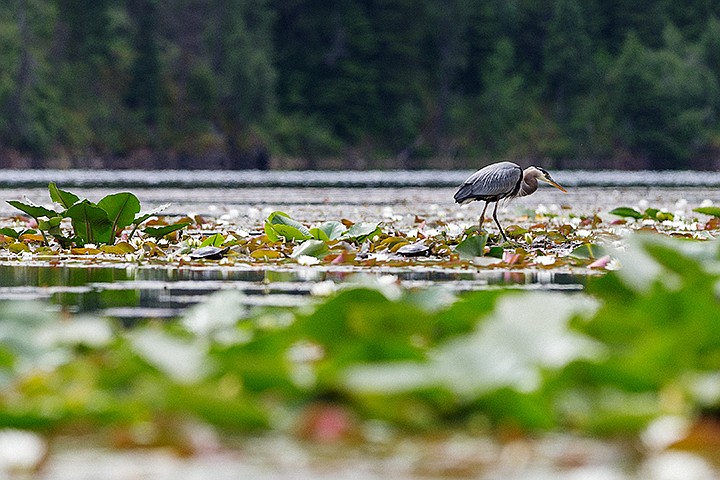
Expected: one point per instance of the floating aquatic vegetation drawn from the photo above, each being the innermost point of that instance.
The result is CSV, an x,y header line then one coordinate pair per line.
x,y
539,239
640,344
100,223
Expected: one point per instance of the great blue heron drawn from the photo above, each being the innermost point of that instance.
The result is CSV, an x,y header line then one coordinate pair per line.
x,y
499,181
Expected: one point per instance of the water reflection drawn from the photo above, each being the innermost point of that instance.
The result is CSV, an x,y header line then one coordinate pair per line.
x,y
130,291
18,274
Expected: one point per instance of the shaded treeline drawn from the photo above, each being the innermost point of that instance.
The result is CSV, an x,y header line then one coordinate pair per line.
x,y
359,83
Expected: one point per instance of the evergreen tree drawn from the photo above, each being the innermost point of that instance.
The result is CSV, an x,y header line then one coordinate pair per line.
x,y
228,80
325,54
31,120
245,76
569,71
403,85
665,100
567,54
451,51
710,46
144,92
505,101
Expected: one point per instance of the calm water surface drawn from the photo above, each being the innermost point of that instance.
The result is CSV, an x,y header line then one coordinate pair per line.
x,y
244,199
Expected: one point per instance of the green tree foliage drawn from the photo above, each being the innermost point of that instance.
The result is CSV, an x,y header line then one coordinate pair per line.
x,y
328,60
145,84
243,73
504,102
665,99
227,83
28,97
568,56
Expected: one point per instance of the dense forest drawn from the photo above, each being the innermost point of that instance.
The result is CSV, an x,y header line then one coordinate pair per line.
x,y
359,83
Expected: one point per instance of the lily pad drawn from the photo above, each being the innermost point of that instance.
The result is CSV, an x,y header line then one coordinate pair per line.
x,y
10,232
473,246
311,248
328,231
588,251
363,230
627,212
280,226
120,248
658,214
91,223
140,218
266,254
209,253
121,209
215,240
712,210
64,198
35,211
159,232
416,249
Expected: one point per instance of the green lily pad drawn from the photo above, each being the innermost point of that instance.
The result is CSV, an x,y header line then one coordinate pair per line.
x,y
362,230
215,240
312,248
64,198
627,212
159,232
588,251
712,210
121,209
11,232
473,246
141,218
328,231
280,226
91,223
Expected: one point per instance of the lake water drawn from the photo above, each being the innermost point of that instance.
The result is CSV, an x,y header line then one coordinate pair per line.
x,y
340,178
309,195
245,199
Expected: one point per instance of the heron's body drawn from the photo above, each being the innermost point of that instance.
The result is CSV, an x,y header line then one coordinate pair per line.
x,y
498,181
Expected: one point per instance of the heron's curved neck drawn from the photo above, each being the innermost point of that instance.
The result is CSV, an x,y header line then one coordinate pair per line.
x,y
529,182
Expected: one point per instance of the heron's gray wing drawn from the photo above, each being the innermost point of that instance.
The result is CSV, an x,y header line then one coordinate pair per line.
x,y
491,183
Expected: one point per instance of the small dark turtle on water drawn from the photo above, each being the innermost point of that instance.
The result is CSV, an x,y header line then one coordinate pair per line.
x,y
209,253
413,249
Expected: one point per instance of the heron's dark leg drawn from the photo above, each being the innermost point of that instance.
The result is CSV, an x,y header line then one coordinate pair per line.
x,y
482,217
498,223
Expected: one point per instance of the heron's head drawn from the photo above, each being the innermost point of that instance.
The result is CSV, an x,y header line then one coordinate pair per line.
x,y
544,176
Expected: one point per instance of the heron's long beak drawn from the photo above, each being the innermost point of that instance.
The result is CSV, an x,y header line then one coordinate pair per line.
x,y
553,183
